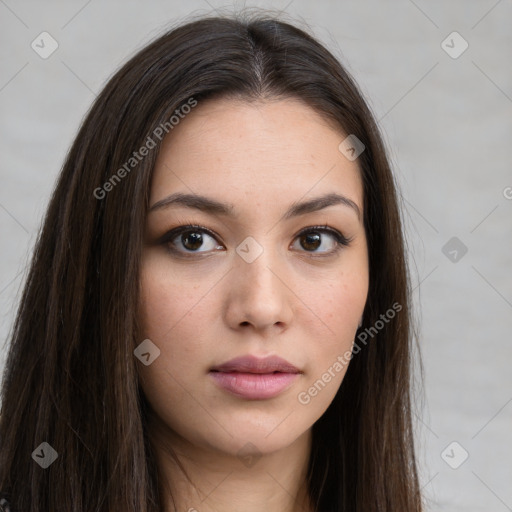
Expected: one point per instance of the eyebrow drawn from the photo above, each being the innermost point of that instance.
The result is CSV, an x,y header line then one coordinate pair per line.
x,y
209,205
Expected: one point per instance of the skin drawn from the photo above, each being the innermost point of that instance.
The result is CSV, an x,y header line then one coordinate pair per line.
x,y
299,300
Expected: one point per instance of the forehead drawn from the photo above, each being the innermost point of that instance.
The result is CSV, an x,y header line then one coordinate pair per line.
x,y
278,150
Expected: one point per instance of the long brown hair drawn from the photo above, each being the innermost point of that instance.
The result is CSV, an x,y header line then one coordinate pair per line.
x,y
71,379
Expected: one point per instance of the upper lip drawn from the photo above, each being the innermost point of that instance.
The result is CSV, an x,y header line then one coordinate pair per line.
x,y
253,364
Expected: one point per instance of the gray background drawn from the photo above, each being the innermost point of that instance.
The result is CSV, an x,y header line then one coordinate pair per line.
x,y
448,124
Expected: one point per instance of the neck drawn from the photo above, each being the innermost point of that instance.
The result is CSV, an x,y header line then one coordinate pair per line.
x,y
202,479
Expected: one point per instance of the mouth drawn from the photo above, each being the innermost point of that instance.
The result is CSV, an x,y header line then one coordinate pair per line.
x,y
254,378
255,365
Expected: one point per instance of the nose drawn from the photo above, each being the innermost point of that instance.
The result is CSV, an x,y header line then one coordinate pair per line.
x,y
259,295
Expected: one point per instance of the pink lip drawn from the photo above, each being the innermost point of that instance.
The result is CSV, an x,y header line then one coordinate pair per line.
x,y
255,378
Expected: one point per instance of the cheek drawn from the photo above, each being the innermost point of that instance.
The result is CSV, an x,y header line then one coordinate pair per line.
x,y
170,313
167,300
340,306
163,317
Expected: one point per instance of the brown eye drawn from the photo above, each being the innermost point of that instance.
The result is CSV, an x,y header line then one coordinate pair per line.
x,y
311,241
189,239
312,238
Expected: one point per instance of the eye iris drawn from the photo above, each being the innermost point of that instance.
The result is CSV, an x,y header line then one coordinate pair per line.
x,y
195,238
309,240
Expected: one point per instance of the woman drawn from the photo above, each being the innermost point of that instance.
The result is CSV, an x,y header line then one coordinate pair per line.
x,y
217,314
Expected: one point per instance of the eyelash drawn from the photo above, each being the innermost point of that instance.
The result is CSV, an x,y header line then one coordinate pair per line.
x,y
340,239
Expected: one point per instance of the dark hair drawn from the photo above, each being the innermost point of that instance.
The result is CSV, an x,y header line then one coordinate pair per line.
x,y
71,378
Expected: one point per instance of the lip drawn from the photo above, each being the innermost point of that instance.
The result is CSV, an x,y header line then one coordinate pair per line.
x,y
253,364
255,378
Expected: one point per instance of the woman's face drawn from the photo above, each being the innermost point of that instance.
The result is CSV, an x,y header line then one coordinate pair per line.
x,y
249,283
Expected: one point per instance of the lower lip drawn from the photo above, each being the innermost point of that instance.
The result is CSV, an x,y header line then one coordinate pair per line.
x,y
254,386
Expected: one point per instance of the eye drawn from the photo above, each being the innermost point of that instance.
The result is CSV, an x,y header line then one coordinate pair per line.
x,y
188,239
191,238
312,238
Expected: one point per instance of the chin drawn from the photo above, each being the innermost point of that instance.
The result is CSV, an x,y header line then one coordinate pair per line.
x,y
256,434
